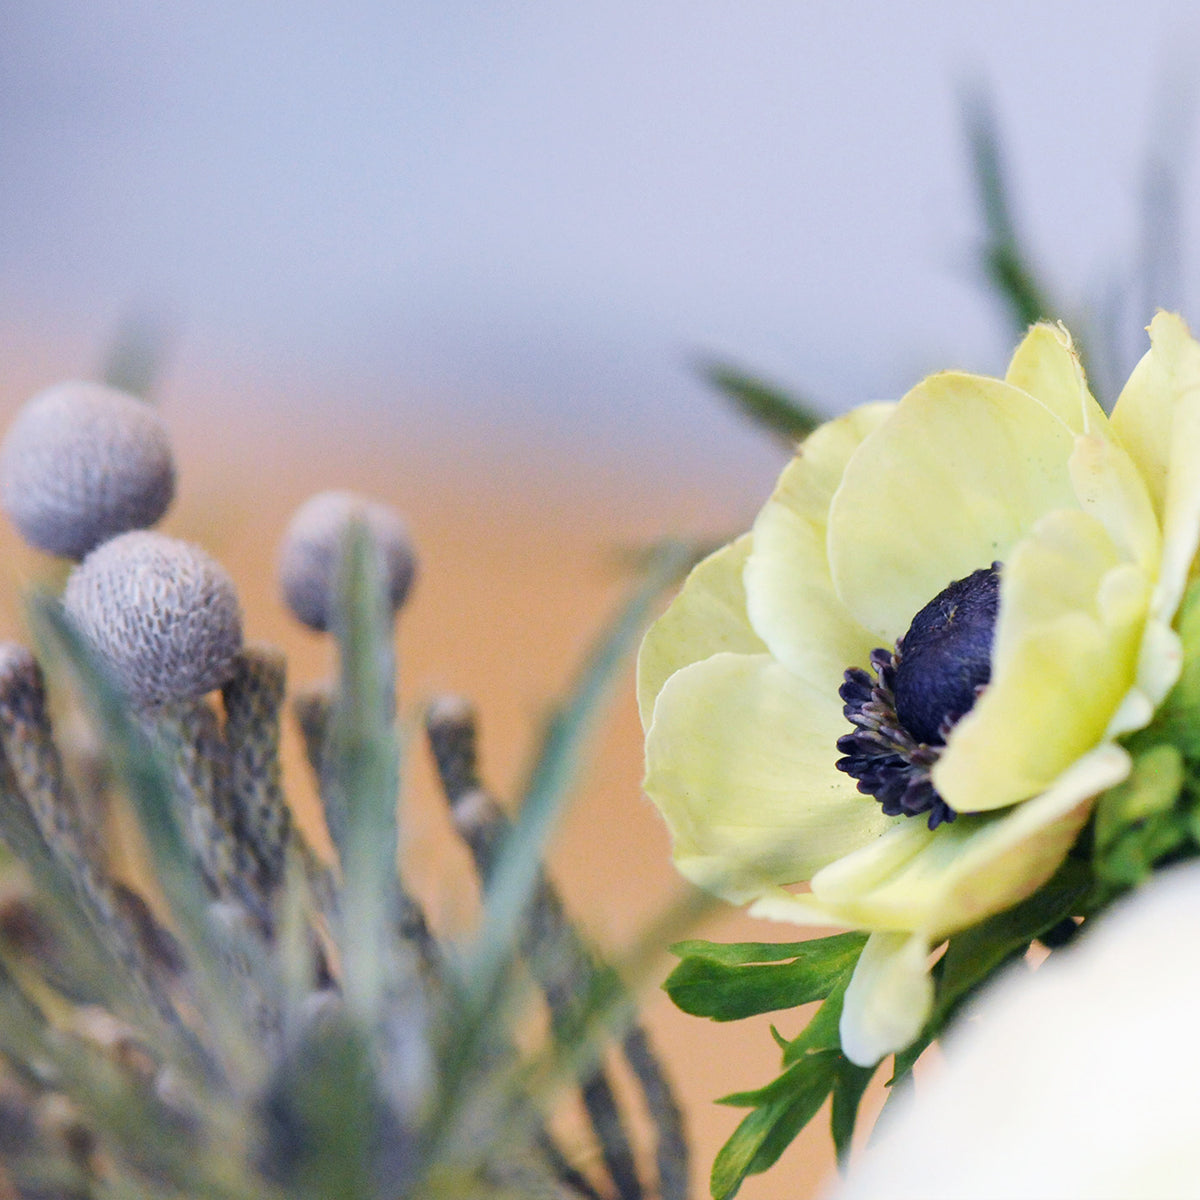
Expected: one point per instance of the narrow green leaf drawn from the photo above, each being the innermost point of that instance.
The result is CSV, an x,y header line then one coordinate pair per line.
x,y
364,773
734,954
902,1067
1006,263
849,1084
136,356
556,767
707,987
822,1031
763,1135
906,1059
514,878
787,416
145,781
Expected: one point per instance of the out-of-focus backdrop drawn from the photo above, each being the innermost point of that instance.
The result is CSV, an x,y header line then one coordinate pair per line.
x,y
467,257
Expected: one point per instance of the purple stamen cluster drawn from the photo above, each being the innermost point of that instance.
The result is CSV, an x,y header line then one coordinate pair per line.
x,y
888,762
921,690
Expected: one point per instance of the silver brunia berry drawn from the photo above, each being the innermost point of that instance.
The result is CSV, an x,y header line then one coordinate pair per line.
x,y
310,553
81,463
161,613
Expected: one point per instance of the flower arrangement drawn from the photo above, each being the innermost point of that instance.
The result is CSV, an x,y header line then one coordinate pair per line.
x,y
946,649
942,696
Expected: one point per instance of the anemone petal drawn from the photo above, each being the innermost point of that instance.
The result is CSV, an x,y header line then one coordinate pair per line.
x,y
1065,656
1110,488
950,483
740,761
889,998
707,617
963,872
1157,418
790,596
1046,366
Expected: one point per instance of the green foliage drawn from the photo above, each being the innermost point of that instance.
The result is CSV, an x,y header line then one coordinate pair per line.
x,y
1144,821
739,980
1153,817
727,983
301,1031
779,1111
1007,264
363,782
326,1116
788,417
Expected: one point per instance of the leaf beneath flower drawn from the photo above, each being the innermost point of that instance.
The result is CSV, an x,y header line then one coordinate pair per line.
x,y
727,983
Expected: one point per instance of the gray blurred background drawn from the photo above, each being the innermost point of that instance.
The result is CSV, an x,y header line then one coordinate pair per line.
x,y
516,226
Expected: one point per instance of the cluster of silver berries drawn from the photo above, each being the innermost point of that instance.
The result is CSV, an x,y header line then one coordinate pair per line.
x,y
85,470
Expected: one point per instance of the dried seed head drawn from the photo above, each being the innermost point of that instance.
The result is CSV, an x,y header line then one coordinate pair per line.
x,y
81,463
161,613
310,554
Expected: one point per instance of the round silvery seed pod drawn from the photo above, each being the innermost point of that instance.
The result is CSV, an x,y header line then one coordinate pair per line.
x,y
310,554
161,613
81,463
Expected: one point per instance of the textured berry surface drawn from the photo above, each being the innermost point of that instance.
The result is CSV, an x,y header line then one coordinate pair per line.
x,y
160,612
311,550
82,463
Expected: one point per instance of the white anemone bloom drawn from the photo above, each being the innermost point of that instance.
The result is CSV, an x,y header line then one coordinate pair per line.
x,y
903,687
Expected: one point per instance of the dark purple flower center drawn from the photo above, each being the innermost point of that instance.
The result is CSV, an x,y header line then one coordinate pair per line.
x,y
920,690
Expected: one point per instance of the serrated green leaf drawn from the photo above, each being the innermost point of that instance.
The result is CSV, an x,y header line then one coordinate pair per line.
x,y
787,416
763,1135
735,986
822,1031
734,954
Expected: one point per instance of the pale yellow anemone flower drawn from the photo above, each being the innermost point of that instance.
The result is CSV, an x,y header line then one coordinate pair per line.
x,y
1094,522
